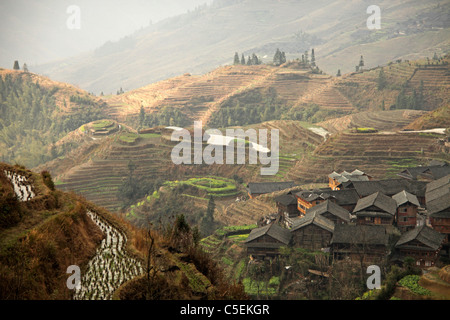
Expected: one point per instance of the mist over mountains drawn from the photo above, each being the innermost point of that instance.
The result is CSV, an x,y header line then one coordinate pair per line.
x,y
37,32
207,37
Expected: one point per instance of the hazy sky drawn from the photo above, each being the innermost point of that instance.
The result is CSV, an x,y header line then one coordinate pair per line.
x,y
36,31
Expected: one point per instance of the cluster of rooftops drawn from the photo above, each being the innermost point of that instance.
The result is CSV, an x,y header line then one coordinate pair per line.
x,y
391,219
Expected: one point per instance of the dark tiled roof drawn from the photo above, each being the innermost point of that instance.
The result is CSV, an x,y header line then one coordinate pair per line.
x,y
268,187
286,199
312,218
404,197
331,207
424,234
273,230
360,234
345,176
438,196
342,197
379,200
388,187
431,172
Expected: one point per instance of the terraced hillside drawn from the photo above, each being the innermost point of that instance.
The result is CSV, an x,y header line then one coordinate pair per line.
x,y
99,177
200,96
432,77
381,155
439,118
196,94
390,120
98,167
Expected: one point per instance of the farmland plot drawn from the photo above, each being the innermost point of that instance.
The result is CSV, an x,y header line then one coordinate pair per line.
x,y
110,267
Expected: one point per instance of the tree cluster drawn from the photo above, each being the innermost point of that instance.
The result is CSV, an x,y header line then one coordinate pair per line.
x,y
30,123
251,60
279,58
250,107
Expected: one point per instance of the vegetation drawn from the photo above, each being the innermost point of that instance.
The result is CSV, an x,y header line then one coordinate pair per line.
x,y
411,282
30,122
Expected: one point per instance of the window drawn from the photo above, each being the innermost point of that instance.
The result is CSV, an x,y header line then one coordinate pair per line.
x,y
428,263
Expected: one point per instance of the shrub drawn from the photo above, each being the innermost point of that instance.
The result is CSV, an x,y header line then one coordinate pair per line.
x,y
47,178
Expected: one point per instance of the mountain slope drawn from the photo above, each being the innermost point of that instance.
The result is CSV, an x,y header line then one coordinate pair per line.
x,y
36,112
208,37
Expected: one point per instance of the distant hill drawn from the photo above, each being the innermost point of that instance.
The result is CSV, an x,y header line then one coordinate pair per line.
x,y
36,112
241,95
209,36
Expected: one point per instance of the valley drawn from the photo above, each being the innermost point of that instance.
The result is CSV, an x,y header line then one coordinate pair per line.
x,y
106,174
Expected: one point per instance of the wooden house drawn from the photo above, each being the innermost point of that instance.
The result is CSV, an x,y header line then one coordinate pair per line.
x,y
421,243
376,208
360,243
265,241
388,187
307,199
335,179
312,231
255,189
287,207
330,210
438,206
426,173
407,210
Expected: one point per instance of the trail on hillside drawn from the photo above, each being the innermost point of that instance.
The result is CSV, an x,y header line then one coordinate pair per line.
x,y
110,267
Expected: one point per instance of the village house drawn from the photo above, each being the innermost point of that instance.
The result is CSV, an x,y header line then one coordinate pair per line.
x,y
360,243
255,189
422,244
376,208
426,173
330,210
307,199
407,210
336,179
264,242
286,208
438,207
388,187
312,231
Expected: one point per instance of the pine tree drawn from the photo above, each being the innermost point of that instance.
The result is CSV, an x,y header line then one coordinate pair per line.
x,y
283,57
381,82
338,73
141,116
25,67
236,59
313,58
277,57
361,63
243,60
16,65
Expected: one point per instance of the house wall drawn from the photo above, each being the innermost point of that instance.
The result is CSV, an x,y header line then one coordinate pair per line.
x,y
441,225
406,217
302,205
311,237
368,254
290,209
423,258
333,184
374,220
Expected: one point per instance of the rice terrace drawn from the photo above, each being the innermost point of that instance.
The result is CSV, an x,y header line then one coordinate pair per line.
x,y
255,153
